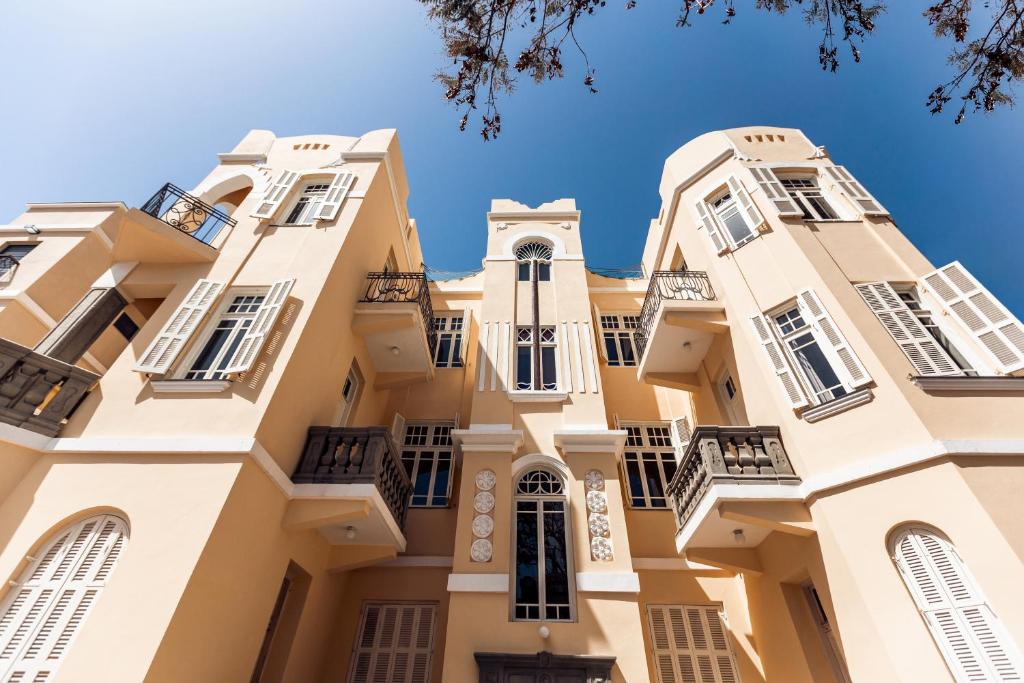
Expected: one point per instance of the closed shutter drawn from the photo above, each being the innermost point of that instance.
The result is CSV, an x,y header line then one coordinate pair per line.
x,y
995,329
710,224
398,429
680,429
267,314
790,386
336,193
275,194
752,215
775,192
861,198
920,347
43,612
395,644
832,339
691,644
972,640
168,344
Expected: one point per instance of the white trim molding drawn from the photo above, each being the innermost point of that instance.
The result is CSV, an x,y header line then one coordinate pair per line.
x,y
478,583
591,440
839,405
607,582
189,386
488,439
979,385
532,396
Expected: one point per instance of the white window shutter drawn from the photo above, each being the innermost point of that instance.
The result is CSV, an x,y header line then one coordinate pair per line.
x,y
861,198
972,640
336,193
832,339
256,336
599,329
775,192
275,194
994,328
710,224
794,393
752,215
464,344
691,644
681,432
165,348
395,644
924,353
398,429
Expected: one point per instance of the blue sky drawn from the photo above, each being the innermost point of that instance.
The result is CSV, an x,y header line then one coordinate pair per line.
x,y
110,99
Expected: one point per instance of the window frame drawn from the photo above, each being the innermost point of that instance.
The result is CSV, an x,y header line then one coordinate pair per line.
x,y
312,208
353,379
619,329
804,197
813,396
429,446
447,330
716,211
5,251
641,444
238,332
958,350
524,340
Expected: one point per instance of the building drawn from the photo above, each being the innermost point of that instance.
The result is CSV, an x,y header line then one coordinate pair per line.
x,y
245,438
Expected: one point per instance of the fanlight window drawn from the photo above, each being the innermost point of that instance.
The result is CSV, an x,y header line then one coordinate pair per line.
x,y
539,483
534,261
534,251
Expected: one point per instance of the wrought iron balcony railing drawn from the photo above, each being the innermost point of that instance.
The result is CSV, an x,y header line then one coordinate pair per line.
x,y
719,455
356,455
38,392
681,285
403,288
186,213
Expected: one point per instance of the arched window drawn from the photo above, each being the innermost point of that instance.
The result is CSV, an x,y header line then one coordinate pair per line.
x,y
534,260
45,608
970,637
542,573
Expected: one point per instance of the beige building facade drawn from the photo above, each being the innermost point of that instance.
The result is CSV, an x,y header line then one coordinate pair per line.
x,y
247,436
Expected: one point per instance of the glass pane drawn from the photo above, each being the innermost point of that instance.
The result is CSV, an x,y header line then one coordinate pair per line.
x,y
409,460
611,348
556,569
816,367
421,483
543,272
296,212
627,349
441,480
233,343
524,367
736,226
669,464
444,347
548,370
457,352
213,345
524,272
654,484
636,487
527,586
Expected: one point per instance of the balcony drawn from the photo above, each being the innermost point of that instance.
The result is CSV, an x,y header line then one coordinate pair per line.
x,y
37,392
186,213
678,321
396,319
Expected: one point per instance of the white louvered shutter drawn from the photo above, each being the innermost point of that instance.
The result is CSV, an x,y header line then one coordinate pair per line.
x,y
746,204
256,336
275,194
775,192
680,431
161,353
790,385
861,198
336,193
42,614
398,429
464,337
710,224
395,644
691,644
972,640
831,339
995,329
924,353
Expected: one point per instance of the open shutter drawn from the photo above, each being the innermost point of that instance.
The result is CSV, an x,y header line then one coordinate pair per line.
x,y
267,314
790,386
275,194
861,198
775,192
168,343
463,337
691,644
398,429
753,216
711,225
336,193
814,311
995,329
680,430
923,352
602,347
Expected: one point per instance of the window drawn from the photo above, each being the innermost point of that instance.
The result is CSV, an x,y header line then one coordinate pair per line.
x,y
307,206
833,651
448,353
14,254
807,195
728,213
618,339
349,396
811,362
650,464
691,643
542,574
536,367
44,610
126,326
217,351
912,300
427,456
395,644
534,260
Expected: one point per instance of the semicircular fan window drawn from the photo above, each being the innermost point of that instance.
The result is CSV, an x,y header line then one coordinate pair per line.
x,y
534,251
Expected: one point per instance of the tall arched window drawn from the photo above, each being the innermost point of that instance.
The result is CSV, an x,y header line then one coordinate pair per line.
x,y
45,609
542,578
534,261
969,635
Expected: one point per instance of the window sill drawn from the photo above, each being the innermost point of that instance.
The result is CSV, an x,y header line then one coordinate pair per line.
x,y
524,396
190,386
839,405
965,383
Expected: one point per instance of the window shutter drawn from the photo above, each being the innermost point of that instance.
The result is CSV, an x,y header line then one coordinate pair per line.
x,y
336,193
464,343
970,637
775,192
395,644
691,644
267,314
168,343
753,216
398,429
861,199
790,386
275,194
995,329
831,338
680,430
711,225
602,350
921,349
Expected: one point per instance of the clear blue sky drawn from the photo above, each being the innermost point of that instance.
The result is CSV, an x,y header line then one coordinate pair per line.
x,y
109,99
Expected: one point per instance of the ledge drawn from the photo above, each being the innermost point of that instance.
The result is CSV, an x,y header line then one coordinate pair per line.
x,y
980,385
520,396
839,405
591,440
190,386
607,582
488,438
478,583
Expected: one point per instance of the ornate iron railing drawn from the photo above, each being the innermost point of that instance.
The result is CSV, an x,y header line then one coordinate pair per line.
x,y
356,455
186,213
747,455
681,285
38,392
403,288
